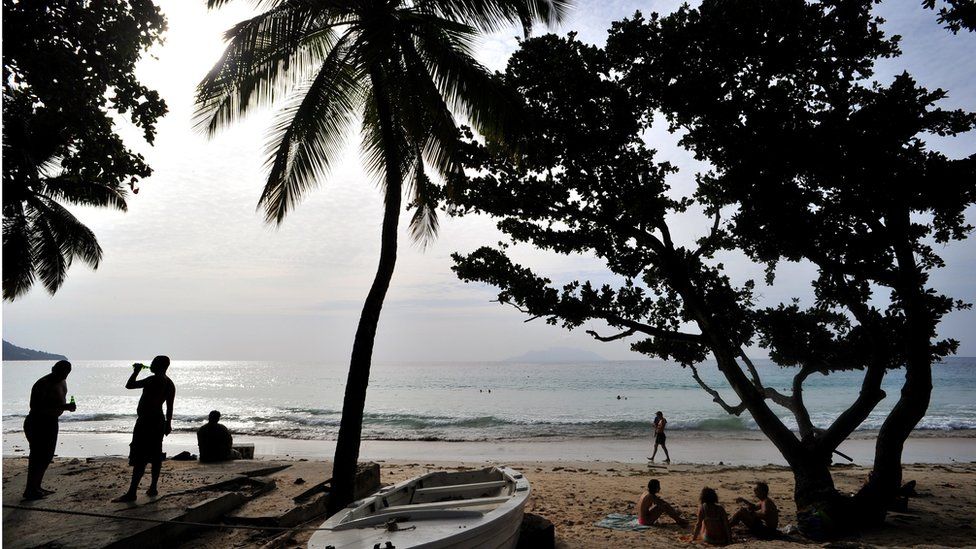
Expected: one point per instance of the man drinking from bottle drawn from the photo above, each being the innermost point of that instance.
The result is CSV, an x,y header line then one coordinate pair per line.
x,y
151,425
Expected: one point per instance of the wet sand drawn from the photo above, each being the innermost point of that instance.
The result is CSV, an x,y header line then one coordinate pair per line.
x,y
730,448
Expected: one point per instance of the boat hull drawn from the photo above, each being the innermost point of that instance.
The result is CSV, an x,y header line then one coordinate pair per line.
x,y
472,523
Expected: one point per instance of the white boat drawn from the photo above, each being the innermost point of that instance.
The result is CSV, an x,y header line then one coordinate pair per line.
x,y
471,509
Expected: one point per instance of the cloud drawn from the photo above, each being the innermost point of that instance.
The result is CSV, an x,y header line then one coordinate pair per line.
x,y
193,270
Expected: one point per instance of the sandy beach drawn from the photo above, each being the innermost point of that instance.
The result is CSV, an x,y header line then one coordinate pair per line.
x,y
572,493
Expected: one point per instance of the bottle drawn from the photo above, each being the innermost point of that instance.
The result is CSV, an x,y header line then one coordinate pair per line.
x,y
72,399
141,366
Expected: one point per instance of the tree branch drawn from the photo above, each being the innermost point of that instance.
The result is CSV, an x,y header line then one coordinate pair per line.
x,y
869,397
649,330
752,370
802,415
779,398
621,335
665,235
793,403
717,398
711,235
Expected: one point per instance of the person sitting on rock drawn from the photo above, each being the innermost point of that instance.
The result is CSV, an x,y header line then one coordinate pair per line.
x,y
215,441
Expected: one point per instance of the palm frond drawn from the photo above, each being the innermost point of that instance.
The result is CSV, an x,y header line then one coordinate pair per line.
x,y
50,262
468,88
85,193
74,238
424,223
18,260
496,15
309,133
266,56
257,4
437,131
376,147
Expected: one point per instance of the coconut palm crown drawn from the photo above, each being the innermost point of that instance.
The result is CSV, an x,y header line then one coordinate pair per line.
x,y
335,62
404,70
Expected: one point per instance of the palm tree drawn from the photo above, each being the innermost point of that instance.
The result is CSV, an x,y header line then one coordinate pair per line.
x,y
41,237
403,69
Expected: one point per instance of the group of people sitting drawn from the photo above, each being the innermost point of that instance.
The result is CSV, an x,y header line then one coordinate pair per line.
x,y
714,525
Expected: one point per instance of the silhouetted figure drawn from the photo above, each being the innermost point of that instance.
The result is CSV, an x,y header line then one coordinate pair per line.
x,y
660,439
47,403
151,426
761,518
215,440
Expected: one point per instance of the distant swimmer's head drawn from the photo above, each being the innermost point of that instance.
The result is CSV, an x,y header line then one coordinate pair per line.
x,y
214,416
708,496
659,413
61,369
159,364
761,490
653,486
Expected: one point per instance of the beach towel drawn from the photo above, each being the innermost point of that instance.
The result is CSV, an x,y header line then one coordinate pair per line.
x,y
618,521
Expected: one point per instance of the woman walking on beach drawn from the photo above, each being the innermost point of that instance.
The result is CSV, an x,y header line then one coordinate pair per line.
x,y
713,520
660,439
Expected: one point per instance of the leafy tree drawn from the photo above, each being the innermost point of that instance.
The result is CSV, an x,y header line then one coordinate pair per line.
x,y
66,66
404,69
955,14
809,162
808,150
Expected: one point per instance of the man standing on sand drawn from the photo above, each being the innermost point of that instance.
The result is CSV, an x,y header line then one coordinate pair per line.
x,y
151,426
47,403
660,438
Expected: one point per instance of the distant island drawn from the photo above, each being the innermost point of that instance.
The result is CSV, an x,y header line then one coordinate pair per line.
x,y
13,352
558,354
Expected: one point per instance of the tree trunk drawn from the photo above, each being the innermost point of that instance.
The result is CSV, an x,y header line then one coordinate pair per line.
x,y
886,479
814,485
354,401
920,323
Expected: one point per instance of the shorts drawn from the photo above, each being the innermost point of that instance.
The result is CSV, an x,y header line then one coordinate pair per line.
x,y
42,436
147,441
660,438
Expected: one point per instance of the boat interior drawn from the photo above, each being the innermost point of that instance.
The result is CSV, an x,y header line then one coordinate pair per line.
x,y
437,495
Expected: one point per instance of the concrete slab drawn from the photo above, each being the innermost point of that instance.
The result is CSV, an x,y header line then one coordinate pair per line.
x,y
301,494
188,489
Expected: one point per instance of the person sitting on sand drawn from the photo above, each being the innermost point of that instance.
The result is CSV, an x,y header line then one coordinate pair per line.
x,y
215,441
713,521
650,506
147,436
761,518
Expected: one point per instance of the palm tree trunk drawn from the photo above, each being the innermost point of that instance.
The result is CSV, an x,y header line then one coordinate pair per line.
x,y
354,402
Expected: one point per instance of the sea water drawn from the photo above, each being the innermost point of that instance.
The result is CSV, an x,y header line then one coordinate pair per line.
x,y
472,401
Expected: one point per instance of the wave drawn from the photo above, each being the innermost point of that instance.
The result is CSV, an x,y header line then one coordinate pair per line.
x,y
730,423
308,423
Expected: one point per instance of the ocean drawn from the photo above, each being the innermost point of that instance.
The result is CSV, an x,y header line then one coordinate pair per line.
x,y
473,401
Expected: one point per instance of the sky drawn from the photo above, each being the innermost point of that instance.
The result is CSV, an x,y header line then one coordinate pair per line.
x,y
192,270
